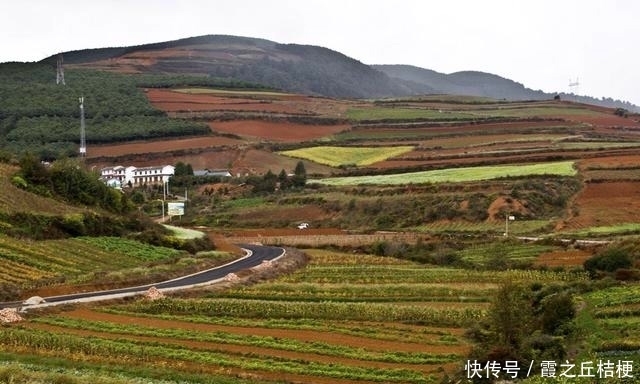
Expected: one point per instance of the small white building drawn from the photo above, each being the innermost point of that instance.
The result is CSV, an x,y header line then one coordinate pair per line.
x,y
113,173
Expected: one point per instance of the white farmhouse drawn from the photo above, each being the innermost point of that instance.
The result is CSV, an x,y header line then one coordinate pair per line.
x,y
137,177
151,175
113,173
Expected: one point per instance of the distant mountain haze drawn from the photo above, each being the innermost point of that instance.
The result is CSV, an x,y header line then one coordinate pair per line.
x,y
304,69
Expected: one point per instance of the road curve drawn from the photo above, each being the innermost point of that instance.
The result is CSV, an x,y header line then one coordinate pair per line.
x,y
256,254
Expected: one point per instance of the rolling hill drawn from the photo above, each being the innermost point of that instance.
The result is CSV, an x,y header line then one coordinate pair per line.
x,y
475,83
303,69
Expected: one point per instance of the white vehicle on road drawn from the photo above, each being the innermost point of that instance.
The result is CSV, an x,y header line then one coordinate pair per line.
x,y
303,225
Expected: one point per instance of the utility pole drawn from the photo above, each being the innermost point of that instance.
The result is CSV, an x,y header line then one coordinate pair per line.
x,y
83,141
507,219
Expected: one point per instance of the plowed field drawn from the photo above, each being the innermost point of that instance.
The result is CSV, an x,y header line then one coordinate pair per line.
x,y
171,101
161,146
276,131
604,204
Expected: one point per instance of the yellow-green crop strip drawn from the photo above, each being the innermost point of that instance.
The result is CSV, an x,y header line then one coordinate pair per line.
x,y
229,91
458,175
337,156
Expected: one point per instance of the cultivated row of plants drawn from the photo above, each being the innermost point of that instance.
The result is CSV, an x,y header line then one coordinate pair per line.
x,y
145,352
222,337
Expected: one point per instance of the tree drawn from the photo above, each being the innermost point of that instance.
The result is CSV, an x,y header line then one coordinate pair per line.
x,y
299,175
284,181
183,169
511,316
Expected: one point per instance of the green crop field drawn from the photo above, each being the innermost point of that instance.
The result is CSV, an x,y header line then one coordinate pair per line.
x,y
386,113
345,317
337,156
229,92
457,175
35,262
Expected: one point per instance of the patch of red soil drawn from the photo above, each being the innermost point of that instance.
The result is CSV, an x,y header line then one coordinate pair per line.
x,y
161,146
461,159
624,161
493,128
604,120
570,258
606,203
242,161
277,131
171,101
502,204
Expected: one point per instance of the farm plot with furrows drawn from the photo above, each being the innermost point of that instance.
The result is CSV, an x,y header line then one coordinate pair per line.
x,y
171,101
276,131
563,258
277,336
28,262
521,253
160,146
344,318
615,321
605,204
455,175
340,156
460,131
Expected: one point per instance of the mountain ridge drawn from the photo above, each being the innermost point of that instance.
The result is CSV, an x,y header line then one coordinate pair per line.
x,y
305,69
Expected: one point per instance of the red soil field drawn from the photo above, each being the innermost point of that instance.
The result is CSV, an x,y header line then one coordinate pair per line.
x,y
570,258
161,146
612,162
494,128
171,101
604,120
276,131
604,204
240,161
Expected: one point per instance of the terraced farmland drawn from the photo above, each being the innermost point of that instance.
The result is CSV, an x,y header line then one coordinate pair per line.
x,y
33,263
337,156
345,318
456,175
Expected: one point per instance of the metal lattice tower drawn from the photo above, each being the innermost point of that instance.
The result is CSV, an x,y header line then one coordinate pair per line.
x,y
83,142
574,86
60,71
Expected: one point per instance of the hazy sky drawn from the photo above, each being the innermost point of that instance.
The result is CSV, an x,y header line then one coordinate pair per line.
x,y
540,43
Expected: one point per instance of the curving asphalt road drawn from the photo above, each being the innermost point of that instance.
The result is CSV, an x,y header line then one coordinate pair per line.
x,y
256,254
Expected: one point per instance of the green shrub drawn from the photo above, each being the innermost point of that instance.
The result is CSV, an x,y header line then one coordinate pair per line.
x,y
19,182
608,261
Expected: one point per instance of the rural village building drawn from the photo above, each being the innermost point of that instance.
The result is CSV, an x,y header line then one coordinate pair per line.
x,y
212,173
137,176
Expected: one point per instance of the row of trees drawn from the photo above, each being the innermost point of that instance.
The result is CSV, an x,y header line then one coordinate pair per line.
x,y
39,116
69,181
269,182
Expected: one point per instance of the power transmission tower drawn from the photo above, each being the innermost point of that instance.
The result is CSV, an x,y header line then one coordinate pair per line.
x,y
83,142
60,71
574,86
